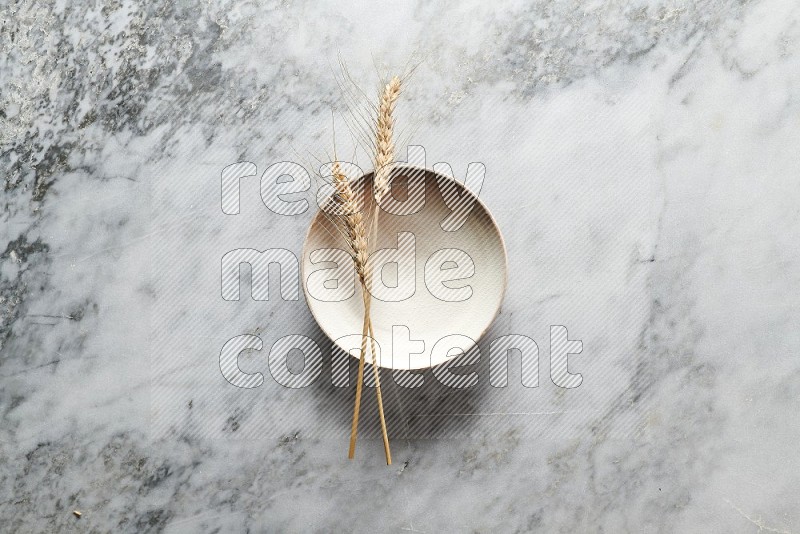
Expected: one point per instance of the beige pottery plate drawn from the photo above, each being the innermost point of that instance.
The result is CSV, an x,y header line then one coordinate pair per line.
x,y
436,309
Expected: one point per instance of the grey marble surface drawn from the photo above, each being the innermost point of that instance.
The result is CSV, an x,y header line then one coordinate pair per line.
x,y
642,165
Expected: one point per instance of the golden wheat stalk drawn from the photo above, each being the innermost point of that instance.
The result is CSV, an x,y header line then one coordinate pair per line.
x,y
355,231
383,162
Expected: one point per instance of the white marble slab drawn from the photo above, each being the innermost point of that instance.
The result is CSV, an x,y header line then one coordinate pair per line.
x,y
641,163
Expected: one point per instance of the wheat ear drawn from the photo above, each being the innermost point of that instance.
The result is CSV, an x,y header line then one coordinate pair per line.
x,y
384,134
355,227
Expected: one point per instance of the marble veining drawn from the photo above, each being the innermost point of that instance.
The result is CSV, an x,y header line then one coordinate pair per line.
x,y
641,163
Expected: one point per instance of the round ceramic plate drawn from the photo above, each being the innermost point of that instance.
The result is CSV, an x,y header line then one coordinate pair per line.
x,y
439,290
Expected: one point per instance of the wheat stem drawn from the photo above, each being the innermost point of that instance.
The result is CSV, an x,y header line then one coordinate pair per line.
x,y
360,380
384,159
386,448
358,239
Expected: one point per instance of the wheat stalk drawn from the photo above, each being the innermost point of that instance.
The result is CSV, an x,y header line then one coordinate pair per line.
x,y
355,231
383,162
354,228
